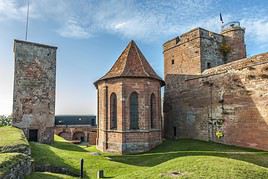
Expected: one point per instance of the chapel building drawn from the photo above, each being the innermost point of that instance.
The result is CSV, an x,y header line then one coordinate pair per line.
x,y
129,105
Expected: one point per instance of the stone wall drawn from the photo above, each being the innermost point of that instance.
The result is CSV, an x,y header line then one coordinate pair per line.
x,y
75,132
19,169
229,100
210,44
34,89
15,154
182,54
234,38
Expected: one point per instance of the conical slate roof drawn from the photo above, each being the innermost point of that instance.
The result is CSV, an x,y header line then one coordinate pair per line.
x,y
131,63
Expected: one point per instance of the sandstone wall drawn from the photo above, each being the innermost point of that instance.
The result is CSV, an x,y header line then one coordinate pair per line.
x,y
234,38
123,139
210,44
230,99
72,132
34,89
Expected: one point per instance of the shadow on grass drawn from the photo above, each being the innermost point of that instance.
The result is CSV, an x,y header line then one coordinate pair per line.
x,y
67,146
182,148
46,175
43,155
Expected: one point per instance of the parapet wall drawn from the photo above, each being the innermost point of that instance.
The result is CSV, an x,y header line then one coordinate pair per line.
x,y
230,101
200,49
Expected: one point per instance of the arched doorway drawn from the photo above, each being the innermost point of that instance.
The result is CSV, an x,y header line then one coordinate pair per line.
x,y
65,135
79,136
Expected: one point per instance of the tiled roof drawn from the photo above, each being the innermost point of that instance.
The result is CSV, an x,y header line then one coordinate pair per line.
x,y
75,120
131,63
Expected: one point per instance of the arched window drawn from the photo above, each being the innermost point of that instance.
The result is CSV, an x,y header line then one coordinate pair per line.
x,y
153,110
113,111
134,112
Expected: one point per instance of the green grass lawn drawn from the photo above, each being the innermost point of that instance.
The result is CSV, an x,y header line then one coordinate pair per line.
x,y
172,159
12,139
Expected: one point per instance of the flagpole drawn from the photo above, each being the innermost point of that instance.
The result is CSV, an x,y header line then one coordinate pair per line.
x,y
27,21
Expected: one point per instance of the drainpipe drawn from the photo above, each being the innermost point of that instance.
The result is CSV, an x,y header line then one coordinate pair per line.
x,y
106,117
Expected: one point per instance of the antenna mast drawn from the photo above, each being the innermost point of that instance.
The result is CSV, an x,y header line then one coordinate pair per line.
x,y
27,21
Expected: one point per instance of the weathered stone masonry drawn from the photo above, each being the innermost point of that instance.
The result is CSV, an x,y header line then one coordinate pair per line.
x,y
34,90
230,99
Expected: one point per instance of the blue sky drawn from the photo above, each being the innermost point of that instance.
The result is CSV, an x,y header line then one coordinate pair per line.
x,y
90,35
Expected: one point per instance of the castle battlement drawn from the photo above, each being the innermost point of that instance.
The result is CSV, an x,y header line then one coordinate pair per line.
x,y
189,36
200,49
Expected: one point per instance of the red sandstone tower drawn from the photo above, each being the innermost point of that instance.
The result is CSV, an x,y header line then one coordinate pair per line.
x,y
129,107
234,38
188,56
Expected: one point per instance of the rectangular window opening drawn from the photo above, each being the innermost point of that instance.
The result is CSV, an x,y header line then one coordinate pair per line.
x,y
172,61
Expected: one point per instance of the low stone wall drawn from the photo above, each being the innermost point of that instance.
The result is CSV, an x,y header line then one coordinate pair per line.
x,y
19,149
76,132
54,169
19,169
15,154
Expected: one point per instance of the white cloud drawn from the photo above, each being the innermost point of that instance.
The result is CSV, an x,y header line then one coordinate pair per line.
x,y
143,20
73,29
257,28
9,9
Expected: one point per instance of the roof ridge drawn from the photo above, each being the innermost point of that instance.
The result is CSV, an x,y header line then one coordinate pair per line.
x,y
115,62
128,47
137,51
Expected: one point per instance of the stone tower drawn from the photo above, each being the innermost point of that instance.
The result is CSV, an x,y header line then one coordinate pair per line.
x,y
188,56
129,105
235,40
200,49
34,90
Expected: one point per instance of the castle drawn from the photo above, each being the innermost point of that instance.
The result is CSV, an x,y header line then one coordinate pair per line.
x,y
213,92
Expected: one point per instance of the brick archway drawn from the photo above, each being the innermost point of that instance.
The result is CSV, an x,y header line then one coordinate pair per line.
x,y
79,135
65,135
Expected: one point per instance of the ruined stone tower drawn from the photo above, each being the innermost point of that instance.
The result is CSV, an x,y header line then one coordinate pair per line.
x,y
34,90
129,107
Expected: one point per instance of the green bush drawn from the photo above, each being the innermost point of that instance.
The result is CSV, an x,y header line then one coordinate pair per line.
x,y
5,120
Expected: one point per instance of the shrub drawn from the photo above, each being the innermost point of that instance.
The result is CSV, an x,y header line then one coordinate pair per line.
x,y
5,120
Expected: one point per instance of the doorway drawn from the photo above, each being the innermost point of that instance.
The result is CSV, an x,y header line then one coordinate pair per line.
x,y
33,135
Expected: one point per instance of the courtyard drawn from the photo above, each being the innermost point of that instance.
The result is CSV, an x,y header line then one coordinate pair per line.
x,y
172,159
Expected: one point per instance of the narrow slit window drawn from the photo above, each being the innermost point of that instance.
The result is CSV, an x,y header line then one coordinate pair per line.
x,y
208,65
113,111
134,113
153,110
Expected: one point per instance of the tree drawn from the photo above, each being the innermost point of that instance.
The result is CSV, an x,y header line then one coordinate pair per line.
x,y
5,120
